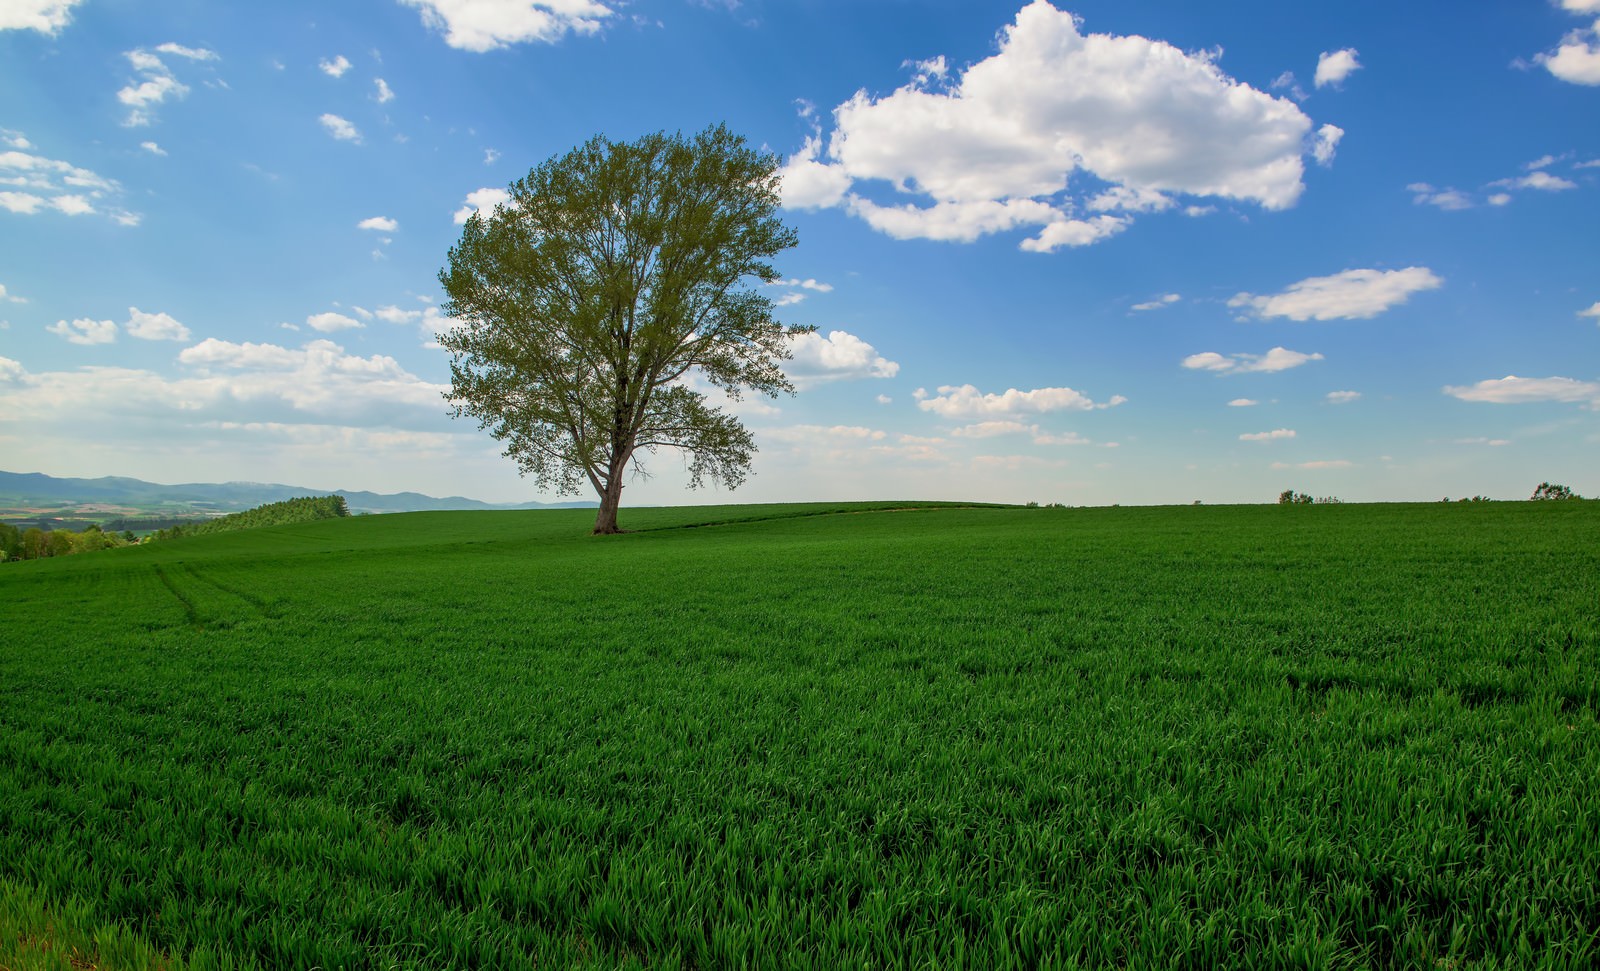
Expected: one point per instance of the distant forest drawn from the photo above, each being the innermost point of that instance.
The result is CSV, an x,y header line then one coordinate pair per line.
x,y
34,543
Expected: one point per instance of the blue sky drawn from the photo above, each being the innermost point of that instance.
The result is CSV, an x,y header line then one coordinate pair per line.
x,y
1091,252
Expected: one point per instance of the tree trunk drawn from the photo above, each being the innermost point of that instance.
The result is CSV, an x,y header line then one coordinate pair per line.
x,y
605,522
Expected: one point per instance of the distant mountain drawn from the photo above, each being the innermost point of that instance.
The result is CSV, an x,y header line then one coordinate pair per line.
x,y
230,496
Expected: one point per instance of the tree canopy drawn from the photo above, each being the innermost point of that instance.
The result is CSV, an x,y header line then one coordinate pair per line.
x,y
597,304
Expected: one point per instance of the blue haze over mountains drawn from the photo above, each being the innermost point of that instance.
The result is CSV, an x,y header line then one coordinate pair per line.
x,y
231,496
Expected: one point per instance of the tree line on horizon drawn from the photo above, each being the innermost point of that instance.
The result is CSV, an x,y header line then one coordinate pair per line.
x,y
34,543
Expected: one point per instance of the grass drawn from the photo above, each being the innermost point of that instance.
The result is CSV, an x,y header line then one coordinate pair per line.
x,y
1329,737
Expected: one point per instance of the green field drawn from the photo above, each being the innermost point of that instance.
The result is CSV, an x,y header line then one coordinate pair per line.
x,y
1336,736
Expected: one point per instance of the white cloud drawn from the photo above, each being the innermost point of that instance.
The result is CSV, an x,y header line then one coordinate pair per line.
x,y
1581,6
1491,442
1165,300
382,224
153,148
794,295
1316,465
1277,359
1541,180
824,435
330,321
1334,66
490,156
7,297
1066,438
11,370
1243,403
230,382
1577,60
73,204
812,184
1424,194
1499,199
1342,397
85,331
340,129
838,356
486,25
999,147
807,284
334,68
385,93
1593,311
154,82
192,53
154,327
966,401
989,429
1277,434
480,200
884,399
1512,390
45,16
1351,295
1326,144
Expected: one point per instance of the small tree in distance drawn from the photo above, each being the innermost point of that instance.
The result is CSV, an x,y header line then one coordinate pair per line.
x,y
1552,490
611,277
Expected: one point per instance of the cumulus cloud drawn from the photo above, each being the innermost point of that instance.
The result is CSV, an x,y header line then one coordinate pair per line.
x,y
153,82
481,199
839,356
825,437
1334,66
385,93
1326,144
1342,397
1351,295
1512,390
1243,403
330,321
1056,123
1424,194
1165,300
154,327
794,287
35,184
966,401
1277,359
1276,435
382,224
153,148
45,16
1540,180
228,382
812,184
486,25
334,68
989,429
340,129
85,330
1577,59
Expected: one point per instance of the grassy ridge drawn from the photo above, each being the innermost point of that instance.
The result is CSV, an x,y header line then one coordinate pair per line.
x,y
1340,736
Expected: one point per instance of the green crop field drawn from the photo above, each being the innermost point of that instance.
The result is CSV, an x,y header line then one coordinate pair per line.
x,y
855,736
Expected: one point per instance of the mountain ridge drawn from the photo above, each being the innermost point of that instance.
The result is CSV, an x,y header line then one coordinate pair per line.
x,y
231,496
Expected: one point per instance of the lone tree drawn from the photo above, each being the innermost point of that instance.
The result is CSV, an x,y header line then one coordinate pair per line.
x,y
1553,490
611,278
